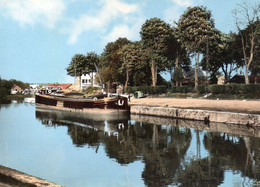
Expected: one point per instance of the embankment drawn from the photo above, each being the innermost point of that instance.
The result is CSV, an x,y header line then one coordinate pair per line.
x,y
229,112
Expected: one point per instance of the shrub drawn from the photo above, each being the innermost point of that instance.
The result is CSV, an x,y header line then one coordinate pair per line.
x,y
147,89
235,88
182,89
91,90
203,89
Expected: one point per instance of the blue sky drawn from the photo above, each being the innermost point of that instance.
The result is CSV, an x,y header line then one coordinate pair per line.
x,y
39,37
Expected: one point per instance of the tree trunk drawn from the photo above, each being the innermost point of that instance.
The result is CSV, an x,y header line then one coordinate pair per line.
x,y
154,73
127,77
246,75
92,79
198,156
247,60
77,83
176,66
196,71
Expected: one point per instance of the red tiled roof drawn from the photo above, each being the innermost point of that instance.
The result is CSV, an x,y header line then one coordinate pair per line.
x,y
63,86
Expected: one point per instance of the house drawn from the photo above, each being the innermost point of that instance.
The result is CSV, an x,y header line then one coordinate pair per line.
x,y
189,76
221,80
240,79
32,89
88,80
16,89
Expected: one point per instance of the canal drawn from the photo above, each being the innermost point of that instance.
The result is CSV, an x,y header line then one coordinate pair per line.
x,y
72,149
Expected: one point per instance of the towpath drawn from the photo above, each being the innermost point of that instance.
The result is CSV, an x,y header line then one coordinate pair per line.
x,y
241,106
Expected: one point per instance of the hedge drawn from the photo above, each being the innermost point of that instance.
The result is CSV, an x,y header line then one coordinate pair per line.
x,y
202,89
147,89
235,88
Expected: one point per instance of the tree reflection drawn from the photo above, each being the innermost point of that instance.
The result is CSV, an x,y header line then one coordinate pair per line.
x,y
163,148
235,153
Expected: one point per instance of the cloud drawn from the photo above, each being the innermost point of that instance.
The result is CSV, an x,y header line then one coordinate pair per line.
x,y
173,13
110,10
31,12
182,3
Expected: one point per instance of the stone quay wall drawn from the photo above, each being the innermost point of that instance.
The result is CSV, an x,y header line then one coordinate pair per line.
x,y
252,120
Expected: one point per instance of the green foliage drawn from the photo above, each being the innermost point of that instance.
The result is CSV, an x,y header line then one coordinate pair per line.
x,y
226,55
177,75
202,89
155,36
5,88
196,31
77,65
195,26
147,89
92,59
133,66
91,90
182,89
111,61
235,88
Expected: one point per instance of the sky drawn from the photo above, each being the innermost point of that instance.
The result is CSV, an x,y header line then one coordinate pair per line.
x,y
38,38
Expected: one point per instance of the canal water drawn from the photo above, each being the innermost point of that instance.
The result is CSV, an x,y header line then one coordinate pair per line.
x,y
73,150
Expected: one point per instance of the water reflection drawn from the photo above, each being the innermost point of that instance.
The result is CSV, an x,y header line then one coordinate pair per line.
x,y
164,148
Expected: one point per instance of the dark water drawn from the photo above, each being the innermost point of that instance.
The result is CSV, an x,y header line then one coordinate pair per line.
x,y
78,150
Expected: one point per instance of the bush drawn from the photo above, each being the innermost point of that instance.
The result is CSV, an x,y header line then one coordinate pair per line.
x,y
182,89
91,90
202,89
217,89
235,88
147,89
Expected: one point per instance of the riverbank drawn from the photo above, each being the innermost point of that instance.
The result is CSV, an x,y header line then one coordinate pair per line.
x,y
11,177
239,112
237,106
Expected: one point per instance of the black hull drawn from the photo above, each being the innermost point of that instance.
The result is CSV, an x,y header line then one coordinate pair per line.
x,y
107,103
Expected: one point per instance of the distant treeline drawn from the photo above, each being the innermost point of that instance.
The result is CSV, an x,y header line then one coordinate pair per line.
x,y
6,85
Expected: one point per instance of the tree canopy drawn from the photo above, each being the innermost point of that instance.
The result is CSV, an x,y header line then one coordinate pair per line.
x,y
171,48
196,31
155,35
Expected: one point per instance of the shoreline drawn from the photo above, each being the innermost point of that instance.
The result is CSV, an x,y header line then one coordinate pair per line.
x,y
12,177
237,106
239,112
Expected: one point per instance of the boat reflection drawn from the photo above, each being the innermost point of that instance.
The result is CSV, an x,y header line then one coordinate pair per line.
x,y
164,148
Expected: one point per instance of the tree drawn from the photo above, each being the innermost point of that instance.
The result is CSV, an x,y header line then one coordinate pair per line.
x,y
111,61
226,55
177,76
196,28
154,36
79,65
180,57
129,55
247,16
92,60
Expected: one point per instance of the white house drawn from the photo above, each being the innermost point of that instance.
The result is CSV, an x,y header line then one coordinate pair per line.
x,y
88,80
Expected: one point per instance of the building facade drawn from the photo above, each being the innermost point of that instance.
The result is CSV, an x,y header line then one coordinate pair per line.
x,y
88,80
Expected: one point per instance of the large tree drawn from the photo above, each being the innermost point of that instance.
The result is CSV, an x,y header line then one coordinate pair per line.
x,y
155,34
77,66
111,61
179,57
81,64
92,61
225,56
130,55
247,15
196,28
